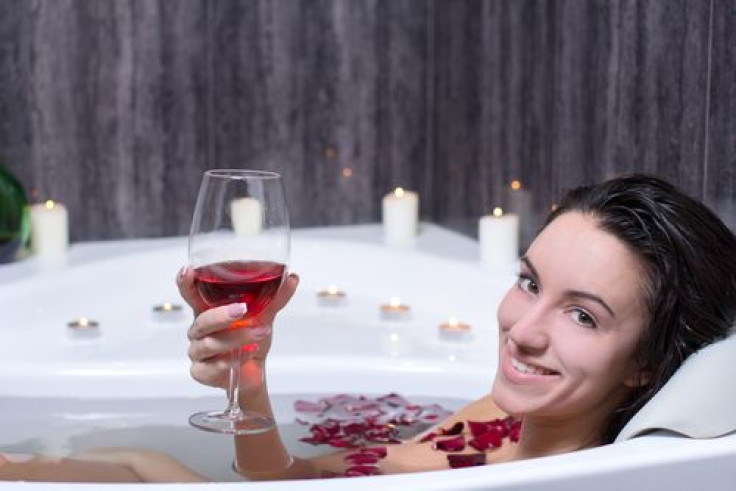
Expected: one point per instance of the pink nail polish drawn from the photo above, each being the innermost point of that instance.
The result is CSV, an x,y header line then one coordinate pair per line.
x,y
236,310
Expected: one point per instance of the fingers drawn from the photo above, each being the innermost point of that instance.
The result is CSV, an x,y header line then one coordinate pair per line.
x,y
215,372
216,320
185,282
224,342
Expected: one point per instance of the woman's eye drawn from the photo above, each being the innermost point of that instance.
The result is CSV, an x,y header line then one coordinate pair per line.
x,y
528,285
583,318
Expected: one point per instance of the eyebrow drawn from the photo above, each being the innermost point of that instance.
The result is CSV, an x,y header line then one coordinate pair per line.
x,y
571,293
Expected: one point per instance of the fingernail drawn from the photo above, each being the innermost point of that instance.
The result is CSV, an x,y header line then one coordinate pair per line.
x,y
237,310
258,333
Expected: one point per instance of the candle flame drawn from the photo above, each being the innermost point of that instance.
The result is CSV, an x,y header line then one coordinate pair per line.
x,y
332,289
167,307
394,302
50,204
399,192
452,322
83,322
515,185
497,211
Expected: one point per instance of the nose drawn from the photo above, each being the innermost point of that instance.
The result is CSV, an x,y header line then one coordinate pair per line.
x,y
529,331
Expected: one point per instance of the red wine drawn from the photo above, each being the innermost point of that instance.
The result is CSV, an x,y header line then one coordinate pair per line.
x,y
251,282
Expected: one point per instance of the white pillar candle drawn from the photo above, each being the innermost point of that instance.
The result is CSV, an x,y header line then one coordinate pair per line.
x,y
49,229
400,216
247,216
499,239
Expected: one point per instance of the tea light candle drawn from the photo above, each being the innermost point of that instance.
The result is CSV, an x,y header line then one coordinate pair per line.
x,y
167,312
83,328
499,239
400,216
331,297
49,228
247,216
452,330
394,310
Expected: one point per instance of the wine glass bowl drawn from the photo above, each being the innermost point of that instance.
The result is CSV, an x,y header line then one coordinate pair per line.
x,y
238,251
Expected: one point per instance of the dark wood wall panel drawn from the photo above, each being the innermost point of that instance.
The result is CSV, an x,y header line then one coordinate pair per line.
x,y
330,93
720,189
560,93
115,107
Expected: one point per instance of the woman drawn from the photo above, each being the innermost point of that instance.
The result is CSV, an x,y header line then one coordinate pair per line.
x,y
626,279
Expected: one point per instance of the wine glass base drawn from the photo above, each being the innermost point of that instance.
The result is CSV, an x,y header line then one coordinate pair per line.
x,y
243,423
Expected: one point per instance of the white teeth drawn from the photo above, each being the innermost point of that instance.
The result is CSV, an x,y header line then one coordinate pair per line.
x,y
524,368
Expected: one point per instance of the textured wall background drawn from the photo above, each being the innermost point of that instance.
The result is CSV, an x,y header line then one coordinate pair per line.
x,y
115,107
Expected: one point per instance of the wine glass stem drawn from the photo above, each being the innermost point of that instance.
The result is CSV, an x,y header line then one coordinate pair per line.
x,y
233,408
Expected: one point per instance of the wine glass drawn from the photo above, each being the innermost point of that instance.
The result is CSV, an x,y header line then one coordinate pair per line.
x,y
238,251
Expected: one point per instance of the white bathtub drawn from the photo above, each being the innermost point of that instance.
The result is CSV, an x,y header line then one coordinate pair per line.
x,y
130,387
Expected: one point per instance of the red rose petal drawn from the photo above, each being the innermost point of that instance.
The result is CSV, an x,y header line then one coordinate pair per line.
x,y
360,459
342,443
455,444
455,429
362,470
486,440
379,452
428,437
480,427
466,460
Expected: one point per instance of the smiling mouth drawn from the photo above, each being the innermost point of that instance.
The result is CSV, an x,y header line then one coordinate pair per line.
x,y
530,369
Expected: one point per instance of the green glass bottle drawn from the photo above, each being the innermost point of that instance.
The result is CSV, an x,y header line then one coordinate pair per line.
x,y
14,220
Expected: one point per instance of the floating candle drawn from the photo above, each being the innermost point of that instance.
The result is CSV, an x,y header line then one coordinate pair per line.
x,y
332,296
83,328
167,312
400,216
49,229
247,216
394,310
499,239
453,330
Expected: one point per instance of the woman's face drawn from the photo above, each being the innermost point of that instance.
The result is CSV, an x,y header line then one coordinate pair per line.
x,y
570,324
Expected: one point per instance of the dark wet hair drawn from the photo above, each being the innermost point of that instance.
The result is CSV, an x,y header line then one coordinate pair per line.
x,y
689,257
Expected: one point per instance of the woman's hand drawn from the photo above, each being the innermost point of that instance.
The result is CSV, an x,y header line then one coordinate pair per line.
x,y
211,338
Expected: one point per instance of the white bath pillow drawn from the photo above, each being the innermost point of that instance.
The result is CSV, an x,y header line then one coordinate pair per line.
x,y
699,401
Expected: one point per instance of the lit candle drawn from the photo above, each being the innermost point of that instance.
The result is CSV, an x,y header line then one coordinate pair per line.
x,y
498,234
168,312
394,310
332,296
452,330
83,328
400,216
247,216
49,228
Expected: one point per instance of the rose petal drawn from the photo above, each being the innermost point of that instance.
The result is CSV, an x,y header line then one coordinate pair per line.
x,y
428,437
455,429
478,428
486,440
394,399
466,460
362,470
455,444
342,443
379,452
309,407
360,458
